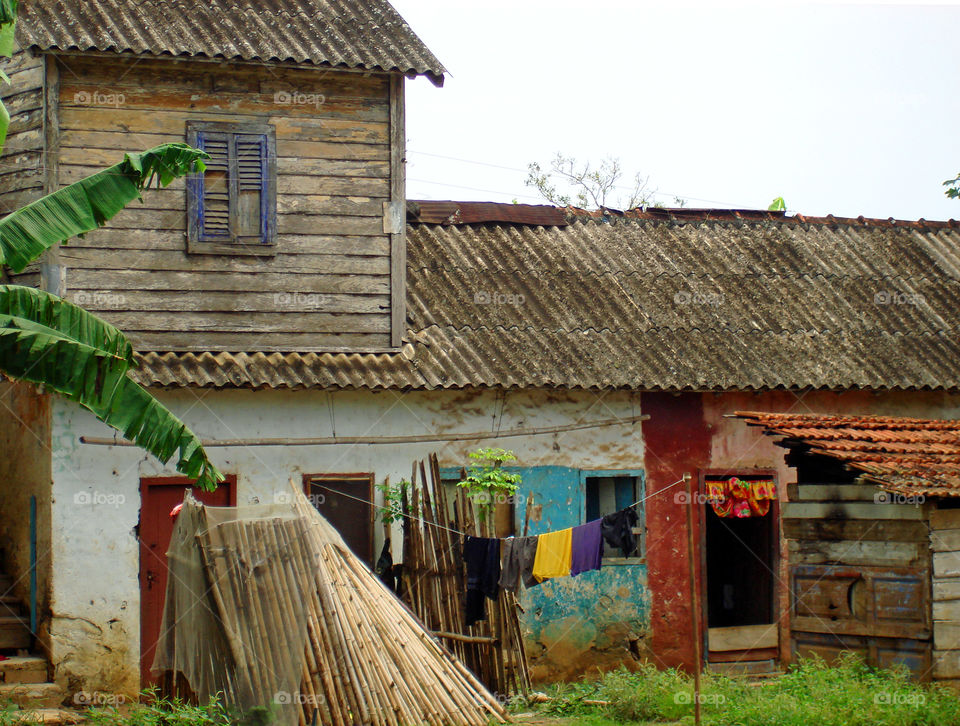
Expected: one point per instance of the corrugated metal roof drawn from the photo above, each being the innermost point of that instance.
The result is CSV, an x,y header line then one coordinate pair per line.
x,y
367,34
912,456
437,212
650,304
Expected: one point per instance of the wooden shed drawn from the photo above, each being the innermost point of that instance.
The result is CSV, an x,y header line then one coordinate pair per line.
x,y
872,538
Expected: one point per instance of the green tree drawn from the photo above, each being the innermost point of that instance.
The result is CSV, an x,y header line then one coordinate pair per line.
x,y
953,187
51,342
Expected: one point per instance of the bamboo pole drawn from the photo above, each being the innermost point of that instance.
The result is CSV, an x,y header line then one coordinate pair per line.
x,y
694,601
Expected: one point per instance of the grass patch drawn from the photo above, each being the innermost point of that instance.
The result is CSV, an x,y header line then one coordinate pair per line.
x,y
809,694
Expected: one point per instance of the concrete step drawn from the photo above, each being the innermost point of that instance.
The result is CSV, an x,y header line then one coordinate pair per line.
x,y
32,695
744,668
11,605
14,632
48,716
23,669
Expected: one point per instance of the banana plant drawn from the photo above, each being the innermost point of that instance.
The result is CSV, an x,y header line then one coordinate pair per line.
x,y
49,341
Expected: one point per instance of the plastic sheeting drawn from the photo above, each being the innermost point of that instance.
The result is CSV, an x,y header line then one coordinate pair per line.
x,y
267,606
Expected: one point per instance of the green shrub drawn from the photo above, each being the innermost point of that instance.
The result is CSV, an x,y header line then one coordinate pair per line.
x,y
810,694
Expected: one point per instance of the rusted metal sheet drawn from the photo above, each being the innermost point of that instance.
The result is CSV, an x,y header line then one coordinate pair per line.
x,y
366,34
870,601
429,212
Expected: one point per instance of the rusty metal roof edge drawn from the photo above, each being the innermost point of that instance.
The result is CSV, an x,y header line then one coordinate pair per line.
x,y
663,214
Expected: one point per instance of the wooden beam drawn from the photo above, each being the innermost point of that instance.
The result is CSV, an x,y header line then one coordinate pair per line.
x,y
853,510
52,276
417,438
743,637
398,194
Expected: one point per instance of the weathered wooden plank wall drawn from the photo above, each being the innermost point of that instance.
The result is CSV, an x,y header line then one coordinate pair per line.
x,y
21,164
328,287
945,545
859,565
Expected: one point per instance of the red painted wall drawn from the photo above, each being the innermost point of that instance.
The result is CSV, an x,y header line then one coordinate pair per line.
x,y
676,440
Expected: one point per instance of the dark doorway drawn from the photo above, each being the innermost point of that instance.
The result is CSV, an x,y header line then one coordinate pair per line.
x,y
740,572
345,501
158,496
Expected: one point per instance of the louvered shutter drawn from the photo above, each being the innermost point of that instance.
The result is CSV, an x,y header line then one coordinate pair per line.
x,y
214,202
251,171
233,201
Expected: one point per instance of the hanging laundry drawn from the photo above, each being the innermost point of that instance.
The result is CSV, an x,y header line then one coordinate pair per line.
x,y
553,554
482,555
617,530
384,567
586,548
736,497
518,556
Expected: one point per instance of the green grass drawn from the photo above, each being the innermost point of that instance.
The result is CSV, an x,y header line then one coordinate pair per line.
x,y
809,694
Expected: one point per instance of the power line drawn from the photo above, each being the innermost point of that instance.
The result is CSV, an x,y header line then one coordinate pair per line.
x,y
524,171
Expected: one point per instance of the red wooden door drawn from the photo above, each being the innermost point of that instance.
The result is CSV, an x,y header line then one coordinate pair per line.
x,y
157,497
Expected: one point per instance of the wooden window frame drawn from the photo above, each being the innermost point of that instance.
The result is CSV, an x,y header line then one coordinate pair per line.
x,y
267,247
700,538
640,530
368,477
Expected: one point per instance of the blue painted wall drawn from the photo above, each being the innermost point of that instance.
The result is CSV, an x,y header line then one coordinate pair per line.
x,y
574,625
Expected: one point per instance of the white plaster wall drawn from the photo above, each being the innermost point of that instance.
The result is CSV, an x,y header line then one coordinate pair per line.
x,y
95,589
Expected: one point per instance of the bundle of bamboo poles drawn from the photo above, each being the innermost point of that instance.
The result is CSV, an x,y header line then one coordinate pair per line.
x,y
434,582
304,629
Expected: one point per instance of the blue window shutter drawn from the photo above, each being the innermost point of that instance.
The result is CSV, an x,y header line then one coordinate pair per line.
x,y
214,202
233,201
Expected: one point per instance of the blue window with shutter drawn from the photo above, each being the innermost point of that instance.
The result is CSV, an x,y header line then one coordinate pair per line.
x,y
231,205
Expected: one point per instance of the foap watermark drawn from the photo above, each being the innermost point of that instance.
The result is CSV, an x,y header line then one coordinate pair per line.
x,y
98,698
685,698
501,498
892,297
898,498
285,698
299,98
899,699
98,499
287,498
99,98
685,498
298,300
686,297
99,299
485,297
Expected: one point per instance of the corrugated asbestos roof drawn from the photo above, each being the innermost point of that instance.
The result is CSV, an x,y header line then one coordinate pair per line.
x,y
912,456
366,34
652,303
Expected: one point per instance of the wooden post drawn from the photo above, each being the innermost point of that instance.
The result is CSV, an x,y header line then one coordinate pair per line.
x,y
694,603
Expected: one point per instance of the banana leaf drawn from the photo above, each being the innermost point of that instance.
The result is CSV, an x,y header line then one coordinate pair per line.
x,y
88,204
67,319
8,24
50,341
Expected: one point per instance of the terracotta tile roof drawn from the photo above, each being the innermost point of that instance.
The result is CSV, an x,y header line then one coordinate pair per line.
x,y
655,302
911,456
366,34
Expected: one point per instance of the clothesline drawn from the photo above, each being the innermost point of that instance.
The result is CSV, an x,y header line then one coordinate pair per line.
x,y
456,531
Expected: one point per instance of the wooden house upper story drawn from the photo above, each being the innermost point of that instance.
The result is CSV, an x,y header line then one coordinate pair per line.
x,y
293,238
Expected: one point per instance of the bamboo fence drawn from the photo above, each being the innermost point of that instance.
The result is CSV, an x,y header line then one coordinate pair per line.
x,y
434,579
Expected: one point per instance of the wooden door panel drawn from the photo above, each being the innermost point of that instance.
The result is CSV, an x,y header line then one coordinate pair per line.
x,y
864,601
158,496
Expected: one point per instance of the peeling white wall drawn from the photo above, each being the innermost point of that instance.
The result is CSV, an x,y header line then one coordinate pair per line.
x,y
95,590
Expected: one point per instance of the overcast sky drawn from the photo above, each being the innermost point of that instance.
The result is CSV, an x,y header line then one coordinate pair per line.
x,y
845,109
